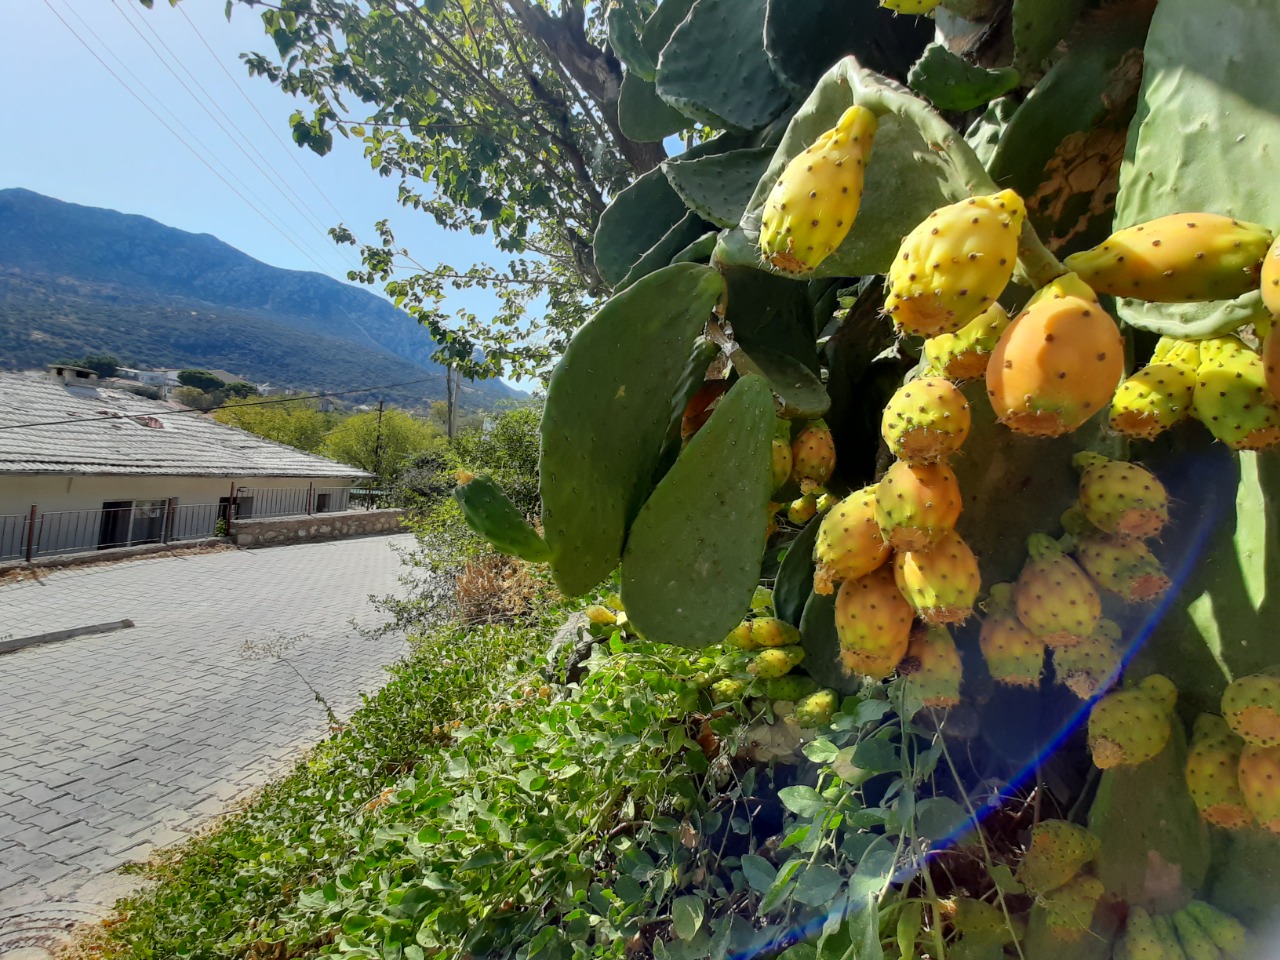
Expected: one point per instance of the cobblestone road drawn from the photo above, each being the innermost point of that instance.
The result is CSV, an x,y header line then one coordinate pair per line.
x,y
113,744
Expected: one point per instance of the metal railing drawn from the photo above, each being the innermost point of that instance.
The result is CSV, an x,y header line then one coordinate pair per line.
x,y
54,532
13,537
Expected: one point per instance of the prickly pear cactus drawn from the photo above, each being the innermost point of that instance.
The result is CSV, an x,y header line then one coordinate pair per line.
x,y
999,426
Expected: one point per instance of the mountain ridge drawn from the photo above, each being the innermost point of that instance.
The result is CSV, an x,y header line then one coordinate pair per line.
x,y
71,276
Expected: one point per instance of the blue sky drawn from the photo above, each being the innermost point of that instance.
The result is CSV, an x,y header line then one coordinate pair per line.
x,y
76,133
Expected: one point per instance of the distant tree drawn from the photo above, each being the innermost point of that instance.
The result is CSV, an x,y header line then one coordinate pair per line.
x,y
382,449
508,451
103,364
142,390
440,412
196,398
299,424
201,380
240,390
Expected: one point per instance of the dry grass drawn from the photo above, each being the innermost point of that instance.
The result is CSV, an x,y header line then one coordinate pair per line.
x,y
496,589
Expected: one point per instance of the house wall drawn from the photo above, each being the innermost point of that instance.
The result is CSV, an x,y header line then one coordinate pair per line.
x,y
65,503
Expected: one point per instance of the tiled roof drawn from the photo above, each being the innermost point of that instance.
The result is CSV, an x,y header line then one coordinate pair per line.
x,y
129,434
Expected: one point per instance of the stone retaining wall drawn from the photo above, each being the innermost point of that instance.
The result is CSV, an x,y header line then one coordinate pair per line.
x,y
324,526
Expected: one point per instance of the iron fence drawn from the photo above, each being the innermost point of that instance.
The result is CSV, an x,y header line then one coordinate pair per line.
x,y
136,522
13,537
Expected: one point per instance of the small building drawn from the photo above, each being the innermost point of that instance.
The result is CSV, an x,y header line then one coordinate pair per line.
x,y
86,467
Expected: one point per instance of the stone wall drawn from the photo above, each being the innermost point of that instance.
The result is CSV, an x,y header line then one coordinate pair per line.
x,y
322,526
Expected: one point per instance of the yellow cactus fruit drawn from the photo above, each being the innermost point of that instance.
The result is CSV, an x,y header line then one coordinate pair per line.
x,y
814,203
1232,398
772,632
925,420
917,503
849,543
1270,279
1160,394
931,668
601,615
1182,258
963,355
740,637
1058,363
873,622
917,7
940,583
1271,360
954,265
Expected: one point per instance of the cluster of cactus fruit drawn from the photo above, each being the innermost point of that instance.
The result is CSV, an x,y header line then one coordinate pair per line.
x,y
728,472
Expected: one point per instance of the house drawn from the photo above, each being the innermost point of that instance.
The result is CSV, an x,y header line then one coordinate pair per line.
x,y
85,467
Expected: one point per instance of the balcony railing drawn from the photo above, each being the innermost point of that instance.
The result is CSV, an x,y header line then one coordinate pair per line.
x,y
56,532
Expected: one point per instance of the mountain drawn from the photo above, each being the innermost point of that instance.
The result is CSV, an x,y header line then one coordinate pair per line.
x,y
77,280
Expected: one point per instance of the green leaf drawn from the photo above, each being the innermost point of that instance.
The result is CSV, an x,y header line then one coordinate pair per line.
x,y
818,885
781,888
821,750
802,801
877,755
939,818
760,873
794,583
686,916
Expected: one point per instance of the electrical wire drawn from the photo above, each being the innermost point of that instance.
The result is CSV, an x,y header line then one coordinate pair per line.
x,y
222,406
289,151
256,208
272,176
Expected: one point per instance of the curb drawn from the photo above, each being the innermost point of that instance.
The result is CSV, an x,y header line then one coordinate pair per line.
x,y
21,643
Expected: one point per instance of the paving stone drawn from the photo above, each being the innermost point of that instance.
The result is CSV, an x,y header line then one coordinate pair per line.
x,y
123,742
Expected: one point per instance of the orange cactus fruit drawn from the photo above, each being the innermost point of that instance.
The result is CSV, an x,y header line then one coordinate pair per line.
x,y
873,622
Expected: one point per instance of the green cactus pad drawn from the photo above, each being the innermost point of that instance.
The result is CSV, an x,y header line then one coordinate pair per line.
x,y
805,37
714,67
952,83
693,555
1038,25
1174,162
905,181
718,187
1155,849
490,513
638,219
801,395
643,115
699,251
625,24
794,582
822,645
623,366
662,253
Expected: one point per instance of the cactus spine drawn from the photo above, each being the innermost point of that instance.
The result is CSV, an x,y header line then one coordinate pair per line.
x,y
955,264
813,205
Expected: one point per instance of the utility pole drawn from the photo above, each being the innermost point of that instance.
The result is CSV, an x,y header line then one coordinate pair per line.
x,y
451,397
377,447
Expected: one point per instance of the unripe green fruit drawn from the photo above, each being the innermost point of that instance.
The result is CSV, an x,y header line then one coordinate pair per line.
x,y
1251,706
817,709
1091,665
772,632
1232,398
1054,598
1069,909
728,690
1182,258
1195,942
1142,940
1058,852
1129,727
955,264
774,662
791,687
810,209
1224,930
1212,771
1121,498
917,7
931,669
1122,566
1014,655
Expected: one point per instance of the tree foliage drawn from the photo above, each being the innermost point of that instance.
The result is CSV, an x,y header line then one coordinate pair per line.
x,y
498,117
201,379
380,442
103,364
300,425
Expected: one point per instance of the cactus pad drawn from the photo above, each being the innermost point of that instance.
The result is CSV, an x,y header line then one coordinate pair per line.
x,y
490,513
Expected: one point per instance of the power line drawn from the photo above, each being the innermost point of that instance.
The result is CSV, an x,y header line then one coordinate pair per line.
x,y
176,135
289,151
221,406
277,182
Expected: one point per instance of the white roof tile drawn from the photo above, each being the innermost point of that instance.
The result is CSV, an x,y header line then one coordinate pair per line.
x,y
123,433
